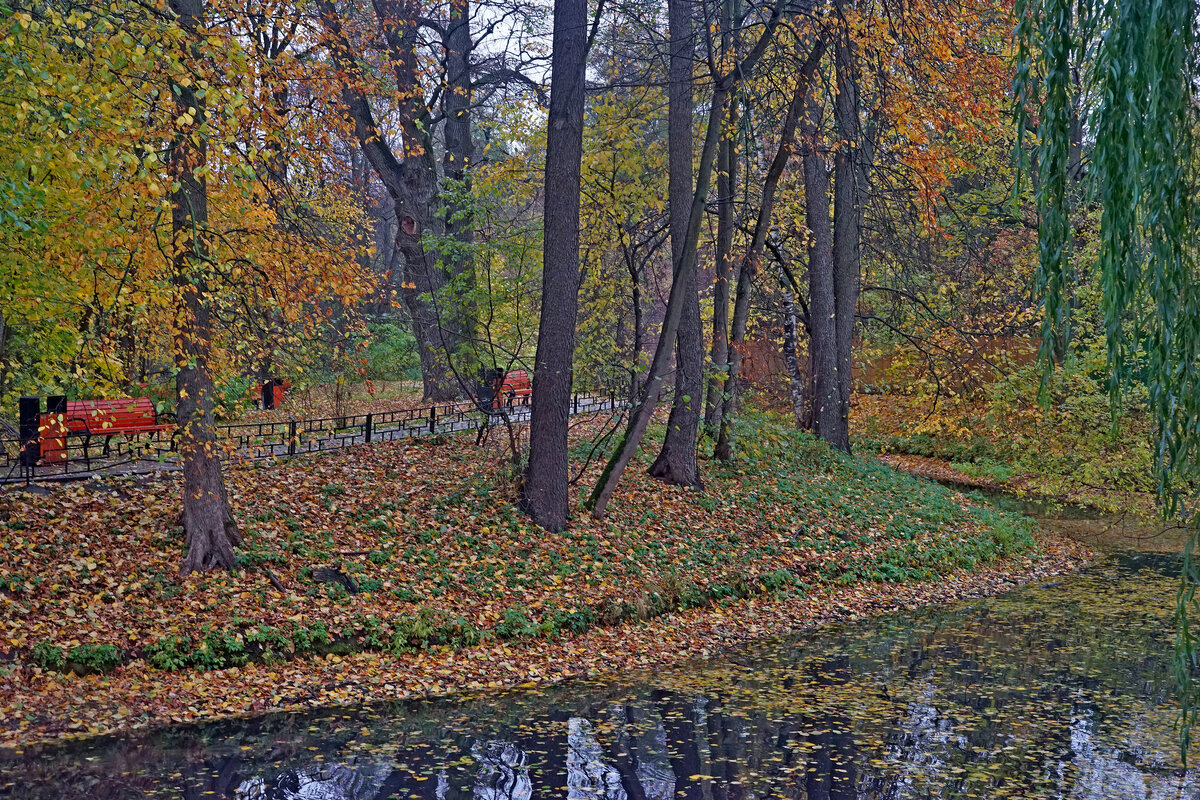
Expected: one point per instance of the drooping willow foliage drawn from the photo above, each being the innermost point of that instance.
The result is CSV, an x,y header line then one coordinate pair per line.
x,y
1125,73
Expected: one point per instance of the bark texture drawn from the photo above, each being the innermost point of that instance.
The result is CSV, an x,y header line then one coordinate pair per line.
x,y
727,163
848,187
544,493
835,257
676,462
208,524
827,421
727,160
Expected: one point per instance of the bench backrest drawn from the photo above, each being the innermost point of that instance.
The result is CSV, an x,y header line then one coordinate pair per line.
x,y
122,413
516,381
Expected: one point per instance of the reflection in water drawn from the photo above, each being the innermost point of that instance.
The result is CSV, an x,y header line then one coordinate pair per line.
x,y
588,775
1057,692
501,774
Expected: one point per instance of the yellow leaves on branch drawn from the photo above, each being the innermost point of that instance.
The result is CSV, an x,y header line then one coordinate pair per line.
x,y
85,229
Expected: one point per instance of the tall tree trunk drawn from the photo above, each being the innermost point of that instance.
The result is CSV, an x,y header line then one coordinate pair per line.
x,y
827,419
544,494
456,162
848,190
647,397
762,226
208,524
727,158
676,462
727,161
646,400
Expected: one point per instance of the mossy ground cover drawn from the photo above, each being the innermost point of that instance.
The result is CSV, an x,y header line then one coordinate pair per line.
x,y
444,562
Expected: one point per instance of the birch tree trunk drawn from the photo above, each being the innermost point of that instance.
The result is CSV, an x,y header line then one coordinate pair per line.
x,y
791,344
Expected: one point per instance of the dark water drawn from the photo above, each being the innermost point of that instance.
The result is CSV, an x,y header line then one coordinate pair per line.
x,y
1057,691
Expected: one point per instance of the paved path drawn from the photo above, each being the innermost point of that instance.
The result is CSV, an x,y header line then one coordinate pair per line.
x,y
269,440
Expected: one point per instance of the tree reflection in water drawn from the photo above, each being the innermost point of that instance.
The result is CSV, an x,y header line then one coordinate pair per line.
x,y
1055,692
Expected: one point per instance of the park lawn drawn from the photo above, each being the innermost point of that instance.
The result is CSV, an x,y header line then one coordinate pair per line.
x,y
444,562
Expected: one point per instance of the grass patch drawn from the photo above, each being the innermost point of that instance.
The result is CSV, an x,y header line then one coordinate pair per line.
x,y
444,558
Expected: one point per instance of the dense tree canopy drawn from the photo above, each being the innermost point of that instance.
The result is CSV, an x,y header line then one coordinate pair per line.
x,y
203,197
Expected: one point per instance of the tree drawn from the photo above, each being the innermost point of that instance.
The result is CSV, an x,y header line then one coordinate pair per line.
x,y
676,462
1141,60
210,529
544,494
646,399
432,288
162,252
799,101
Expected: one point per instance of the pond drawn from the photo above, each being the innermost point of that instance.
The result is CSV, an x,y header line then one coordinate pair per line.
x,y
1060,690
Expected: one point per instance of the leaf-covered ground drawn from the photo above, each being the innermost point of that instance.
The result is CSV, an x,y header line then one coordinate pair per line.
x,y
457,589
1070,455
325,400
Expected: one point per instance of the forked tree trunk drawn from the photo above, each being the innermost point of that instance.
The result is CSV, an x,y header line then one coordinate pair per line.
x,y
544,493
827,418
676,462
441,322
208,522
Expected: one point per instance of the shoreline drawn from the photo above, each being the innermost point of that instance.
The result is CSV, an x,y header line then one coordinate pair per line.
x,y
137,699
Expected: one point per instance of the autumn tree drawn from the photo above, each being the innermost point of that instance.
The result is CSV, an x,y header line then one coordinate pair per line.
x,y
801,100
544,493
412,177
162,249
646,400
208,521
676,461
922,61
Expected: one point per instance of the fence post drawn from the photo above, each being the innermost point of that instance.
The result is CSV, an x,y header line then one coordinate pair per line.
x,y
28,411
367,432
432,419
292,438
575,403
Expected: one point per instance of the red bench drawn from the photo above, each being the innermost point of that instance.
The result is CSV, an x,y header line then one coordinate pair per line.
x,y
515,389
88,418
